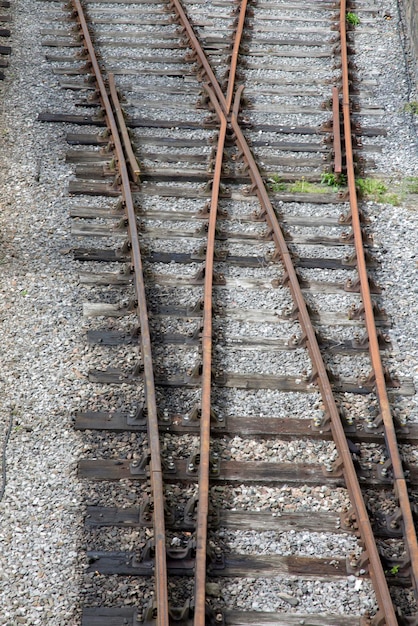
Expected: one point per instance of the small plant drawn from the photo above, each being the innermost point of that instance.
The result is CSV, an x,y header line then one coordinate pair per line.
x,y
352,18
303,186
371,188
374,189
276,184
411,107
412,184
391,198
333,180
394,570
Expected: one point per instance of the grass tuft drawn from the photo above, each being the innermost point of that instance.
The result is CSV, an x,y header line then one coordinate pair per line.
x,y
352,18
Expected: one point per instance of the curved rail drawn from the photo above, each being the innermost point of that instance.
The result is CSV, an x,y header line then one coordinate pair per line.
x,y
204,466
152,418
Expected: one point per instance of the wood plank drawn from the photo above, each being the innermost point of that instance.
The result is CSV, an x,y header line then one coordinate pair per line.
x,y
151,123
99,309
175,280
231,471
248,472
251,618
107,255
298,521
326,318
105,616
288,428
260,521
92,189
254,566
86,139
119,376
107,337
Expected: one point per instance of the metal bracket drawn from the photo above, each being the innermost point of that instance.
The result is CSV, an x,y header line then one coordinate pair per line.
x,y
390,524
193,417
194,374
374,425
354,287
194,462
322,423
190,514
335,468
140,417
215,558
383,469
397,569
349,520
183,615
358,565
358,313
139,467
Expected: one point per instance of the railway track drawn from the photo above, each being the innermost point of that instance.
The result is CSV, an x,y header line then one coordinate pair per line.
x,y
248,284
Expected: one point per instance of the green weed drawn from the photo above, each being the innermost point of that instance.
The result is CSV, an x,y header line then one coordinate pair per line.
x,y
333,180
374,189
276,184
412,184
352,18
303,186
411,107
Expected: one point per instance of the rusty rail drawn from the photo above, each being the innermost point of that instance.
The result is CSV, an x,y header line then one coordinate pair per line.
x,y
152,419
204,466
336,131
132,162
401,490
235,52
320,375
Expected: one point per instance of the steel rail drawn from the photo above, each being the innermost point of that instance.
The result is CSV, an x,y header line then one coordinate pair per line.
x,y
222,107
152,419
224,102
401,490
235,52
321,376
336,131
205,432
319,370
133,163
211,78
